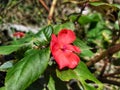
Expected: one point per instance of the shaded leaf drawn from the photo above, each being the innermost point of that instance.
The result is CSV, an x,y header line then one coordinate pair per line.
x,y
80,73
27,70
108,10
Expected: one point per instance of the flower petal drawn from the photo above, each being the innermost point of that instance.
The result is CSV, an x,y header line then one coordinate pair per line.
x,y
61,59
73,60
66,59
54,43
72,48
66,36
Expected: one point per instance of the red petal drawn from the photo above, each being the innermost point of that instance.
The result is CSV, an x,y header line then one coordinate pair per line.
x,y
61,59
73,48
66,36
66,59
73,60
54,43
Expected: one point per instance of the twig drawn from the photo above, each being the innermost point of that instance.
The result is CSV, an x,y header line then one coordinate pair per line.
x,y
111,50
104,80
104,68
111,74
82,9
51,11
44,5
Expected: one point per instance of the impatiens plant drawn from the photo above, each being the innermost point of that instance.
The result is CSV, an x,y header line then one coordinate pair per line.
x,y
59,44
49,58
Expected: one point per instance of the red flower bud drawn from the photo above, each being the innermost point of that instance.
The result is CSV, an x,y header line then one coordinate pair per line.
x,y
19,34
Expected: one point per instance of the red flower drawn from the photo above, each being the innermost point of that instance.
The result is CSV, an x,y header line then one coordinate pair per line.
x,y
19,34
62,49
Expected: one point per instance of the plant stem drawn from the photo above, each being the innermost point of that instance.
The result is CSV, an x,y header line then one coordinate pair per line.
x,y
111,50
44,5
52,8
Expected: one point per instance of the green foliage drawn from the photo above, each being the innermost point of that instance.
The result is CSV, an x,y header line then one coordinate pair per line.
x,y
82,74
85,19
67,25
34,68
6,65
39,39
43,36
51,84
27,70
9,49
34,62
85,49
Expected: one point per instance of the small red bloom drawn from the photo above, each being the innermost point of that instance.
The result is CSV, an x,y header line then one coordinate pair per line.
x,y
62,49
19,34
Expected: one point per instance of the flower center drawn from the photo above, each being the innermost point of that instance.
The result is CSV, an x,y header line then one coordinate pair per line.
x,y
64,48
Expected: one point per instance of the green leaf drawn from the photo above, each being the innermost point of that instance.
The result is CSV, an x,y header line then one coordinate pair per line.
x,y
82,74
98,3
116,25
105,4
9,49
116,5
6,65
51,84
85,19
2,88
85,49
24,40
107,35
43,36
73,17
67,25
27,70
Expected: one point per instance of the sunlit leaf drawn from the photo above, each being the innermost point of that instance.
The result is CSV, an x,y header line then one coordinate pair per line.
x,y
9,49
6,65
97,3
2,88
43,36
51,84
